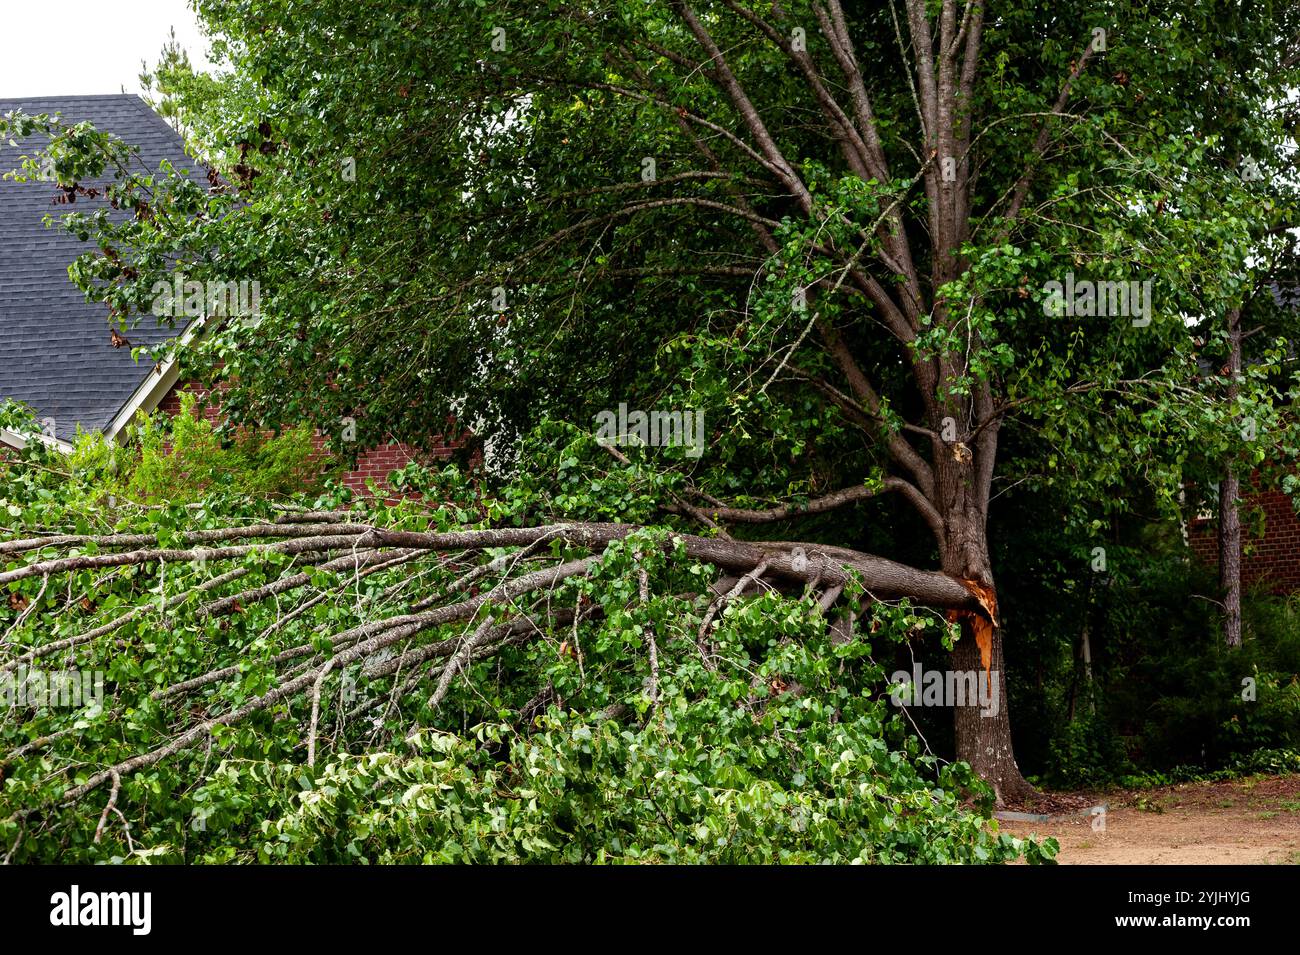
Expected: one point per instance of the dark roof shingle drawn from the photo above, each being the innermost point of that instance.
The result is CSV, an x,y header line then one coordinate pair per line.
x,y
55,351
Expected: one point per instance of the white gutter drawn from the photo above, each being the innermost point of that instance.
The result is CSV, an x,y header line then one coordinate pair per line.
x,y
19,439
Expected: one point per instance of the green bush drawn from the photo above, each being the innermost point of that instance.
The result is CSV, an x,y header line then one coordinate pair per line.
x,y
1173,692
1085,751
185,459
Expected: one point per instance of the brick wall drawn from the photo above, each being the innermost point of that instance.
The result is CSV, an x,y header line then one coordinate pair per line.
x,y
373,464
1270,562
377,463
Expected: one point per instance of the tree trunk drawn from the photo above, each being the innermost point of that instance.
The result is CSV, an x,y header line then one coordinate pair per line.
x,y
983,735
1087,669
1230,557
1229,513
985,741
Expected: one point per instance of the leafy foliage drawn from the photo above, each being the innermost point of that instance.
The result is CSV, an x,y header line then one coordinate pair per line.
x,y
184,459
776,743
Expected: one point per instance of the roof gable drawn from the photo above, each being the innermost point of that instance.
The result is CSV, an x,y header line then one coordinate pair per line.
x,y
55,349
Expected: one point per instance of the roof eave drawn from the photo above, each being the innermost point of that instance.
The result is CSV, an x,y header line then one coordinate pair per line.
x,y
152,390
20,440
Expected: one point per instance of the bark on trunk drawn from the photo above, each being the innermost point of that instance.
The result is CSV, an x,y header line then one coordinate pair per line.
x,y
1229,515
1230,558
985,741
1087,670
983,734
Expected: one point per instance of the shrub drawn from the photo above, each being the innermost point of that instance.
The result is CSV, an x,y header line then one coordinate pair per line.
x,y
186,459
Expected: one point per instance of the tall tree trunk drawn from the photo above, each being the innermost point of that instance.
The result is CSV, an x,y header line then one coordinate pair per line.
x,y
983,738
1087,670
985,741
1229,513
1230,558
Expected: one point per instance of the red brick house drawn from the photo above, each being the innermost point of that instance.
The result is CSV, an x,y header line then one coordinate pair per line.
x,y
1270,561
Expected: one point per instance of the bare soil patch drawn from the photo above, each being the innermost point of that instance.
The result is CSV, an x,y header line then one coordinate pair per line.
x,y
1244,821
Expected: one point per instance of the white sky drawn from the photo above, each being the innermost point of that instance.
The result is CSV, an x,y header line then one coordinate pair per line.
x,y
89,46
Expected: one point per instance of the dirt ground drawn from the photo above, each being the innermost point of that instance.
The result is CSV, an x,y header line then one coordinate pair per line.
x,y
1246,821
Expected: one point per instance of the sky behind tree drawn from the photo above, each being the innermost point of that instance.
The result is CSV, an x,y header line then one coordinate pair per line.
x,y
87,46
